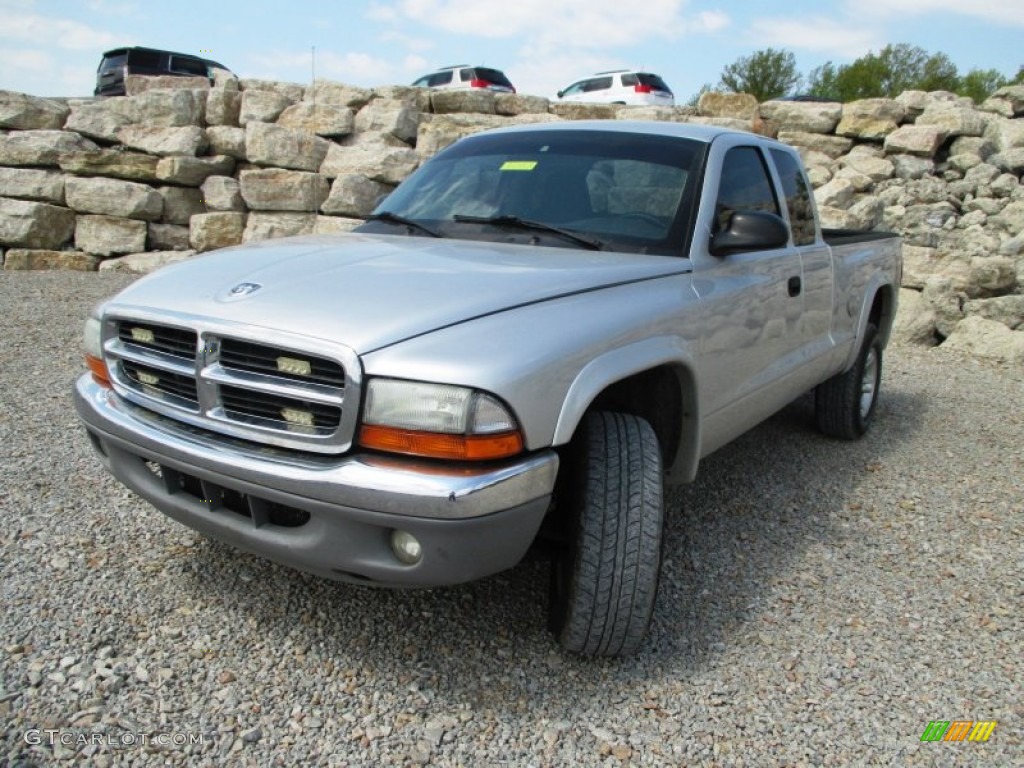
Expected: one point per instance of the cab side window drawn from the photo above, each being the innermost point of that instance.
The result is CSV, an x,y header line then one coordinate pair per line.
x,y
798,197
745,186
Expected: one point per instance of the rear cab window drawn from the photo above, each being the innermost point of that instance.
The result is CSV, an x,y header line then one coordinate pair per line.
x,y
798,197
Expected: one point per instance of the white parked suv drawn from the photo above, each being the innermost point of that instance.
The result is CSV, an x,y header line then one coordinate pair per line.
x,y
621,86
463,76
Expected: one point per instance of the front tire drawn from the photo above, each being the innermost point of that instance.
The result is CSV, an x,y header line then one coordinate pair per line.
x,y
845,404
603,586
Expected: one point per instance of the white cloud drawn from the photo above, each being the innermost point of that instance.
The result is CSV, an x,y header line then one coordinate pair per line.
x,y
113,8
52,31
999,11
819,34
353,67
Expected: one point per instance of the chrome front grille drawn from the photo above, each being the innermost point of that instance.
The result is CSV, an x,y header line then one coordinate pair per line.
x,y
281,389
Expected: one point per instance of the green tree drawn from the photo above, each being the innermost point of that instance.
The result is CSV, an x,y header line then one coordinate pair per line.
x,y
766,74
890,72
1019,79
979,84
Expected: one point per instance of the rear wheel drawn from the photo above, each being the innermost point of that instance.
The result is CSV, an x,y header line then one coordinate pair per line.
x,y
845,404
604,583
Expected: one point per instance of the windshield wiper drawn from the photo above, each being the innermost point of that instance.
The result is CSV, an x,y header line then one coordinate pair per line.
x,y
516,221
396,219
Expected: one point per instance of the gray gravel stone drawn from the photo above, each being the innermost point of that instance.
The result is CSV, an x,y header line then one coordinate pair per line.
x,y
821,603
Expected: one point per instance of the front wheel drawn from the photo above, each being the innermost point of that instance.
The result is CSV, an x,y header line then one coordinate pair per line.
x,y
603,585
845,404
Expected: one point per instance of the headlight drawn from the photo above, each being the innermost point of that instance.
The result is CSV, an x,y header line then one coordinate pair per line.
x,y
437,420
92,345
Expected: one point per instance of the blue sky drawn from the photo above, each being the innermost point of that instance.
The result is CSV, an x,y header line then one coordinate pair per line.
x,y
52,47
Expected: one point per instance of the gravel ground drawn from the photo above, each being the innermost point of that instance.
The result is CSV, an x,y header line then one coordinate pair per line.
x,y
821,603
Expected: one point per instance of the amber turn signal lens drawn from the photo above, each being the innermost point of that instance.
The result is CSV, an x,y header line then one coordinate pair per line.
x,y
439,446
98,369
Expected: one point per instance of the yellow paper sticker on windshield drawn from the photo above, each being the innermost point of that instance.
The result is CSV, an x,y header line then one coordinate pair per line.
x,y
519,165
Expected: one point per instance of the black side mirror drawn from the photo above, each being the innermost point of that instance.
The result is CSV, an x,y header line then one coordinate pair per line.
x,y
561,94
750,231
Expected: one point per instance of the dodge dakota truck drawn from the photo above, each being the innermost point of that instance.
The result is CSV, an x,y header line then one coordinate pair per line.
x,y
524,343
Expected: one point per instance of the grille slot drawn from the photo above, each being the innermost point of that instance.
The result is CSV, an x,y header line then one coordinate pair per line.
x,y
269,392
248,403
259,358
148,380
170,341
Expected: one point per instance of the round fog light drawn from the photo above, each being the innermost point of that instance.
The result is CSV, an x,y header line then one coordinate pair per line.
x,y
406,547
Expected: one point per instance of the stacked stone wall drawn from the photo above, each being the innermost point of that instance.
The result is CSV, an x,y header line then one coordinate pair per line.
x,y
178,167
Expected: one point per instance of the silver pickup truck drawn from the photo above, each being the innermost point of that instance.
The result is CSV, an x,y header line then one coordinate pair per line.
x,y
529,337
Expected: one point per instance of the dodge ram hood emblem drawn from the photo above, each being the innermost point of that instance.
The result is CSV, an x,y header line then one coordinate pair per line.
x,y
245,289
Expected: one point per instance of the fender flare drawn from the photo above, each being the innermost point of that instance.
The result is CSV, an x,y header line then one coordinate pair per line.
x,y
877,285
621,363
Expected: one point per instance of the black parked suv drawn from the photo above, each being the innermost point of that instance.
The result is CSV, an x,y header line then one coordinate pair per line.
x,y
121,62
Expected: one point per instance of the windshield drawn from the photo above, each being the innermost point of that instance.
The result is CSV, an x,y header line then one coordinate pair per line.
x,y
628,191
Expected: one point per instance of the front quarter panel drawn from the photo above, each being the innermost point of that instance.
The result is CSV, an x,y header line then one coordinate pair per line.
x,y
548,360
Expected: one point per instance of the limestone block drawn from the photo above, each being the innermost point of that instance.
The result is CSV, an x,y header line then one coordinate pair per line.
x,y
267,226
165,108
181,204
919,140
275,189
398,118
184,140
21,258
477,101
35,225
166,237
876,168
32,184
131,166
136,84
803,116
919,264
1005,134
292,91
388,165
831,146
31,113
519,104
338,94
1008,310
142,263
915,321
870,119
222,193
742,106
987,339
223,107
193,171
1010,160
113,197
321,119
1007,101
354,195
40,148
222,229
838,193
227,140
274,145
955,121
109,235
262,106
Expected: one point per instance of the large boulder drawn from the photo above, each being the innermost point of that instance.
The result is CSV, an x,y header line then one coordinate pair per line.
x,y
292,91
919,140
477,101
113,197
32,184
273,145
131,166
954,120
354,195
262,106
181,204
31,113
742,106
399,118
142,263
222,193
166,108
388,165
988,339
193,171
1005,134
870,119
1008,310
275,189
832,146
518,104
166,237
40,148
267,226
136,84
338,94
227,140
35,225
915,321
803,116
321,119
183,140
109,235
1008,101
23,258
223,107
208,231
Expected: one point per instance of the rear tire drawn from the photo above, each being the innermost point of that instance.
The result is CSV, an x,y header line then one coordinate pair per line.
x,y
603,586
845,404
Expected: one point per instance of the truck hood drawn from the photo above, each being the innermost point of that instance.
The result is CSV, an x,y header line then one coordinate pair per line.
x,y
369,291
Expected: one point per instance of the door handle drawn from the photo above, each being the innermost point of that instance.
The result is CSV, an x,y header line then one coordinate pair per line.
x,y
794,286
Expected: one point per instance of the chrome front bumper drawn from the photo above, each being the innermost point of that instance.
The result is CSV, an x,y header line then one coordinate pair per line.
x,y
471,521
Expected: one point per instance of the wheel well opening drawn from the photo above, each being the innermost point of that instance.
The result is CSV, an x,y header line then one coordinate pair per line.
x,y
655,396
